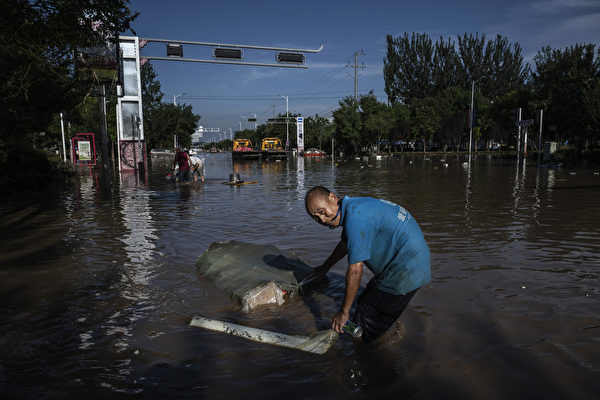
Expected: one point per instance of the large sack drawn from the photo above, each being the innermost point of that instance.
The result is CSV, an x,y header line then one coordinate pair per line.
x,y
252,274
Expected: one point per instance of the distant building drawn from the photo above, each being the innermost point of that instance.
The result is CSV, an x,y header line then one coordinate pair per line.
x,y
205,135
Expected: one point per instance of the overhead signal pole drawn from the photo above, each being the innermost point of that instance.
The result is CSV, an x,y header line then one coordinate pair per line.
x,y
130,124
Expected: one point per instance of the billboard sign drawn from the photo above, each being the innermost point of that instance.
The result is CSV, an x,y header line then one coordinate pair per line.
x,y
300,133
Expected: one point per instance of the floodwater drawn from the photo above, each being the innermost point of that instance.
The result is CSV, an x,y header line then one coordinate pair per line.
x,y
97,291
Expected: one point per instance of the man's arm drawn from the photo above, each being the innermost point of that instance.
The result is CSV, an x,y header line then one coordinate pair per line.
x,y
336,255
353,277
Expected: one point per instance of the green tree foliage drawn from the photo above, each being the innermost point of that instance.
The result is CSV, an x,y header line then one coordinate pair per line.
x,y
591,102
317,132
151,94
348,125
434,81
39,76
400,130
452,105
416,67
425,119
166,120
376,120
39,39
251,134
409,67
566,81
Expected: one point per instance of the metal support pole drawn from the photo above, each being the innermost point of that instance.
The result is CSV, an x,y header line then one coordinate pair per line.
x,y
103,134
332,147
541,115
62,128
518,132
287,127
471,117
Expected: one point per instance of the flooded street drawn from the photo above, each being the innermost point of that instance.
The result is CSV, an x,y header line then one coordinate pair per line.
x,y
97,291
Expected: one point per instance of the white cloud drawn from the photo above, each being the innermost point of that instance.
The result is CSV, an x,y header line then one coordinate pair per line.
x,y
560,6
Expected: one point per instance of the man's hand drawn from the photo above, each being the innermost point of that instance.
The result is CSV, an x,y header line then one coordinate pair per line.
x,y
339,320
320,271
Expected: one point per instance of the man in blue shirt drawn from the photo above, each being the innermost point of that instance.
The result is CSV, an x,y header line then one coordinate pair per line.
x,y
384,237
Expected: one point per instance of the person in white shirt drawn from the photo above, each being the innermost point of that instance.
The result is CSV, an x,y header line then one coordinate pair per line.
x,y
197,168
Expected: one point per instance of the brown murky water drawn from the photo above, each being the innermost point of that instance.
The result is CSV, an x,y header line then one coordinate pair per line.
x,y
97,292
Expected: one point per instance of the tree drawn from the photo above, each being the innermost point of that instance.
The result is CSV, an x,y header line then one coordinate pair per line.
x,y
37,67
408,67
151,94
167,120
348,125
317,131
591,102
565,80
416,68
400,131
452,106
277,128
376,120
425,120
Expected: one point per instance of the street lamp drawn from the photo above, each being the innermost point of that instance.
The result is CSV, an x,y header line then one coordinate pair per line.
x,y
287,127
175,96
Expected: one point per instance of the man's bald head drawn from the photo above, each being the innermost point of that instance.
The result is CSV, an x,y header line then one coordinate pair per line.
x,y
314,195
322,205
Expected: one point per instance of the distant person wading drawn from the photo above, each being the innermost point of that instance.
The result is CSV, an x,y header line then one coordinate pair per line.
x,y
384,237
182,160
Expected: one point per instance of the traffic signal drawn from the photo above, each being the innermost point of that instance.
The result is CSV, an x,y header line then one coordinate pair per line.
x,y
174,50
296,58
228,53
251,119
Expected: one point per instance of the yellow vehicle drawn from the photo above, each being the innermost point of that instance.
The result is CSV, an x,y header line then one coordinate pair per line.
x,y
242,148
272,148
271,143
242,145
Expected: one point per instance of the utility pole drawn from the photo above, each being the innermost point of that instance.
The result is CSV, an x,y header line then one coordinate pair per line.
x,y
518,133
471,117
356,67
62,129
287,126
540,116
103,133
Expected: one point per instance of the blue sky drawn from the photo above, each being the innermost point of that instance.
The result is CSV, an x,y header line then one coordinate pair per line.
x,y
224,94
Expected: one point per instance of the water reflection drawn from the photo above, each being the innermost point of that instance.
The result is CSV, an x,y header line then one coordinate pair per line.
x,y
139,237
100,290
468,191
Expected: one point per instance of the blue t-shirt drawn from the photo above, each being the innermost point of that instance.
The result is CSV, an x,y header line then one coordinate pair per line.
x,y
388,240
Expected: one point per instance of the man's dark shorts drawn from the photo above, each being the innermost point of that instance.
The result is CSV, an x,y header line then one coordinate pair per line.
x,y
377,310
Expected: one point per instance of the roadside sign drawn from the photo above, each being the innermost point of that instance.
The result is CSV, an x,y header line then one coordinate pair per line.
x,y
84,151
525,122
300,133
